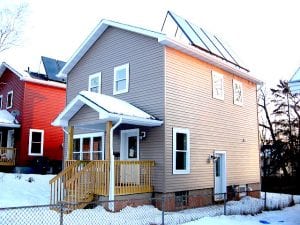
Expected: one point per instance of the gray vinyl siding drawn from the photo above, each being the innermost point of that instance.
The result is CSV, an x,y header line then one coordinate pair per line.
x,y
213,124
146,84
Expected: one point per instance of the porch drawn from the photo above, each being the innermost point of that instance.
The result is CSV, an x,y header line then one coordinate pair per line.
x,y
81,180
7,156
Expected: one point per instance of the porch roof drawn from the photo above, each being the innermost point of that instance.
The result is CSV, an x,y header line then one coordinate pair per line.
x,y
109,109
8,120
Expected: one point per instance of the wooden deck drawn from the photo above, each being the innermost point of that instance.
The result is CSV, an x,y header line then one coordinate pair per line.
x,y
81,180
7,156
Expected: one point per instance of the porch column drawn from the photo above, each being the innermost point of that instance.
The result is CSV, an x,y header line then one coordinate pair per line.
x,y
107,140
70,142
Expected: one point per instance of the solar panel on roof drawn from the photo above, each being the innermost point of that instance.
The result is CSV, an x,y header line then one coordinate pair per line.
x,y
202,39
52,68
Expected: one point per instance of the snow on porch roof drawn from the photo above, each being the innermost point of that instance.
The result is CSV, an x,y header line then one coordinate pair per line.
x,y
109,108
8,120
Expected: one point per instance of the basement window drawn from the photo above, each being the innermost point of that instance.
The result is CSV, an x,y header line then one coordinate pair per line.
x,y
181,198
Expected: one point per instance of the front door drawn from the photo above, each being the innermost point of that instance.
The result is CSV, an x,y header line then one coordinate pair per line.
x,y
129,151
220,175
10,138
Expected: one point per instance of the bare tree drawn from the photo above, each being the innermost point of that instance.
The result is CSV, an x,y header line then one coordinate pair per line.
x,y
11,23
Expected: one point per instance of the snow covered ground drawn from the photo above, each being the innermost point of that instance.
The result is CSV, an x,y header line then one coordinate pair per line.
x,y
28,189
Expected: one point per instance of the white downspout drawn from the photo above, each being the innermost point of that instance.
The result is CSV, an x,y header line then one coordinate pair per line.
x,y
111,195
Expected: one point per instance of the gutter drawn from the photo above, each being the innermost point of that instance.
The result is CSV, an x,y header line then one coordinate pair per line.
x,y
111,195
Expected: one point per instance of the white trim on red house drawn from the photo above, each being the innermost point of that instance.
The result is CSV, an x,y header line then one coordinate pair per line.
x,y
30,142
25,77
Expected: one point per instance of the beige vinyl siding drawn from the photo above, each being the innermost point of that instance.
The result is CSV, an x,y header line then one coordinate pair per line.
x,y
214,124
146,84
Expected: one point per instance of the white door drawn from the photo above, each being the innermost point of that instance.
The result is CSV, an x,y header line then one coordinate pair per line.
x,y
130,173
10,138
10,144
220,175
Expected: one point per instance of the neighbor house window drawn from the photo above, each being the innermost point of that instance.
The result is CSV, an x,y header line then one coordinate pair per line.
x,y
121,79
36,142
95,83
237,92
1,101
9,100
181,151
88,146
217,85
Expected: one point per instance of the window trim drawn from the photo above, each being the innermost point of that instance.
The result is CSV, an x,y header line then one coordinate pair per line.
x,y
92,76
1,101
30,142
90,136
11,102
240,103
188,158
116,69
215,75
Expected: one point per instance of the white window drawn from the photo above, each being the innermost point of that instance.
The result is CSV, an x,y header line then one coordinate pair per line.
x,y
121,79
237,87
1,101
218,85
9,99
95,83
181,151
88,146
36,142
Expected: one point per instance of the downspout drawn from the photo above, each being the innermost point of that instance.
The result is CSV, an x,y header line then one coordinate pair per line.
x,y
111,195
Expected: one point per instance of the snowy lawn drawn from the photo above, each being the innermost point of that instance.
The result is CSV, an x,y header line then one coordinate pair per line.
x,y
29,189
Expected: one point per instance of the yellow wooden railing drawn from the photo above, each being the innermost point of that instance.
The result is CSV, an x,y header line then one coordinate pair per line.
x,y
81,180
133,177
57,183
7,156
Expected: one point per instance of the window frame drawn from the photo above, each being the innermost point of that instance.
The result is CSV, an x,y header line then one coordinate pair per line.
x,y
116,69
234,83
91,137
185,131
93,76
9,106
215,75
30,142
1,101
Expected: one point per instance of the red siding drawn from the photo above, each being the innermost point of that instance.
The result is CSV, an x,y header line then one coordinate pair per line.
x,y
41,105
38,105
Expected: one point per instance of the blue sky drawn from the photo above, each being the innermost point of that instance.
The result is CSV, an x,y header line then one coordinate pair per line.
x,y
264,34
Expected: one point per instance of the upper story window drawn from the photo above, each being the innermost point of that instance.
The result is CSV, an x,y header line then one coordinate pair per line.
x,y
181,151
237,92
218,85
9,99
36,142
1,101
95,83
121,79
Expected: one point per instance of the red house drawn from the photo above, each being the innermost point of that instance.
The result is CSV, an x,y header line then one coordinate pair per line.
x,y
29,102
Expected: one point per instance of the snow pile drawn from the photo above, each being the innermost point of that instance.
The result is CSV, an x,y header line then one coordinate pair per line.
x,y
24,189
247,205
278,201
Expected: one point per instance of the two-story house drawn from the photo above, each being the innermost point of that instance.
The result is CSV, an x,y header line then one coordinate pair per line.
x,y
158,114
28,104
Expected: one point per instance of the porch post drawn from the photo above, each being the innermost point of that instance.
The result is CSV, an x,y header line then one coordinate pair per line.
x,y
70,142
107,140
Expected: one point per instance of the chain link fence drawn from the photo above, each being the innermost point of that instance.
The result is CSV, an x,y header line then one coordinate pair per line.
x,y
166,209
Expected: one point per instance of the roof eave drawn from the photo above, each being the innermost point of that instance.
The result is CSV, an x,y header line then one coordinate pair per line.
x,y
190,50
94,35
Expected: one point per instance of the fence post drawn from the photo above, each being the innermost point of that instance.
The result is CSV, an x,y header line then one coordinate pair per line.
x,y
225,200
265,203
61,220
163,210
